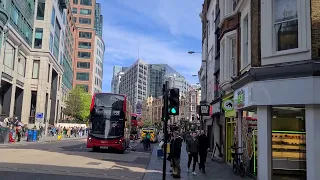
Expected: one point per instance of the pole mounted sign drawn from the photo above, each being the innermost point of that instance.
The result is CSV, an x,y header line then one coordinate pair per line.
x,y
204,110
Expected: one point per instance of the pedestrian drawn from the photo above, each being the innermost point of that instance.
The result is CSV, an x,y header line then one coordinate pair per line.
x,y
203,150
175,151
188,136
193,150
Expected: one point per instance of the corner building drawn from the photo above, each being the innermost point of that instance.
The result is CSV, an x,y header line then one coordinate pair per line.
x,y
32,64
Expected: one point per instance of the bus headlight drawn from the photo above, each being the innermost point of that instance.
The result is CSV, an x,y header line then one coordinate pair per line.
x,y
89,139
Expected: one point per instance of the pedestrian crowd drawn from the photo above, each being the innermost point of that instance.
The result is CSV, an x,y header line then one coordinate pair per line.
x,y
68,132
197,145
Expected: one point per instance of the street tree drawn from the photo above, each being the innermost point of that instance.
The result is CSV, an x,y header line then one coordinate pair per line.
x,y
78,104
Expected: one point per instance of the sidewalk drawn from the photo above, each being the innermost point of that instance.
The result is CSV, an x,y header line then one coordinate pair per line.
x,y
214,170
43,139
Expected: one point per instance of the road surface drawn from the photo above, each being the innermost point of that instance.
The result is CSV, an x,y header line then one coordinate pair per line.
x,y
68,160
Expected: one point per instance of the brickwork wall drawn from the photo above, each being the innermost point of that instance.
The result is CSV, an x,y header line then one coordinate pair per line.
x,y
255,34
315,28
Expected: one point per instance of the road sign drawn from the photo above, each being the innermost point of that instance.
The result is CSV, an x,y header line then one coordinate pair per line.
x,y
39,115
227,105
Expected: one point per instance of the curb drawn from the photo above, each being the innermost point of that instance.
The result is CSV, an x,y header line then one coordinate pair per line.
x,y
37,142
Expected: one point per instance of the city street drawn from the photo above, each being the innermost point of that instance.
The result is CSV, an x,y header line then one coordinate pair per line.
x,y
70,159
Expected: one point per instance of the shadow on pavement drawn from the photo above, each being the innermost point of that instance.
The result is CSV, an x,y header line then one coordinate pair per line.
x,y
103,164
13,171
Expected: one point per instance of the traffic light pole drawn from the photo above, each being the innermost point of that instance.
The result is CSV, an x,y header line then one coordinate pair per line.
x,y
165,130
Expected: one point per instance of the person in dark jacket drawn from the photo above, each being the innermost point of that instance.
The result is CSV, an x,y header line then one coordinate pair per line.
x,y
193,150
175,151
203,150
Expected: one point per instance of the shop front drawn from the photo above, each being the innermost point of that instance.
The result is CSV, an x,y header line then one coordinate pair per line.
x,y
280,127
218,129
230,125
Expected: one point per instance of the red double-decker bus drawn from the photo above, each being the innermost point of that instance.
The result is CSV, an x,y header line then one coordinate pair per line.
x,y
109,122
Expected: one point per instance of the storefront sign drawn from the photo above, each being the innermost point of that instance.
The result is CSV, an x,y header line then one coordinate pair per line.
x,y
241,97
204,110
227,105
216,108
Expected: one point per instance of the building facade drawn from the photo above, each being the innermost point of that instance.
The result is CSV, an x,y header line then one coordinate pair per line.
x,y
134,84
68,56
118,72
178,81
260,102
33,68
98,65
156,78
86,45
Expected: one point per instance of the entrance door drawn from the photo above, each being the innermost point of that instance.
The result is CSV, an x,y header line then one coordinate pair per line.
x,y
209,136
230,136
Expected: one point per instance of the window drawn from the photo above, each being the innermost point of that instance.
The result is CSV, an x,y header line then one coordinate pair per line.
x,y
75,1
85,55
40,9
84,20
74,10
233,60
85,45
56,44
245,41
82,76
53,16
9,54
213,19
14,14
21,65
286,24
38,38
36,68
83,65
87,35
51,42
74,19
85,11
86,2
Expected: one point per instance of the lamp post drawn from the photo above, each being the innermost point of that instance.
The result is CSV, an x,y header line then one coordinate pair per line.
x,y
206,83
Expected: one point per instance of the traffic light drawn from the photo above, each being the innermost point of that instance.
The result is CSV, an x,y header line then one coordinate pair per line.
x,y
174,102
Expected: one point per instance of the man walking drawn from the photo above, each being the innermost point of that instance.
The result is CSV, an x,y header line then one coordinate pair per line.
x,y
193,150
203,150
176,154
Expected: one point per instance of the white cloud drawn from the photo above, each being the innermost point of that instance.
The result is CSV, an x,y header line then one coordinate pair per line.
x,y
179,16
178,19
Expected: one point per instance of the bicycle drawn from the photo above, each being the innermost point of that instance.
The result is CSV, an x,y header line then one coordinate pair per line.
x,y
237,163
213,158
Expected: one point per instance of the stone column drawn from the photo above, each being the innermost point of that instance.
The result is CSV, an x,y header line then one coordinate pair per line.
x,y
312,141
264,143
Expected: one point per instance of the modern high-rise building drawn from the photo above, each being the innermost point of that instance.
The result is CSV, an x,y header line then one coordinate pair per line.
x,y
98,20
178,81
134,84
118,72
156,78
34,49
89,46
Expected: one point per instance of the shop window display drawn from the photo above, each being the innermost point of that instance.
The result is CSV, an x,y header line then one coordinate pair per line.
x,y
288,143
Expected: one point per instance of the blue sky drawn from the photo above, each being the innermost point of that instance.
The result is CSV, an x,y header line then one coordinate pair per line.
x,y
166,30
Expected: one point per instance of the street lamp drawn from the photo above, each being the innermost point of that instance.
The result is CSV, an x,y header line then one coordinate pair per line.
x,y
206,80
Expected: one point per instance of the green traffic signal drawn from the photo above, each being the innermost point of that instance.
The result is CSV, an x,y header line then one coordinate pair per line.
x,y
173,111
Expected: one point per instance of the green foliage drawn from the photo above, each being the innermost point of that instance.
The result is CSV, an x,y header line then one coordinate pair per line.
x,y
147,123
78,104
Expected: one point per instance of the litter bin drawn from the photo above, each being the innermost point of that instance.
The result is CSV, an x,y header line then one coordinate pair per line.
x,y
30,135
35,135
4,135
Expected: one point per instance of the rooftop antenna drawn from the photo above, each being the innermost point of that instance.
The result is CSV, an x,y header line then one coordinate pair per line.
x,y
139,50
